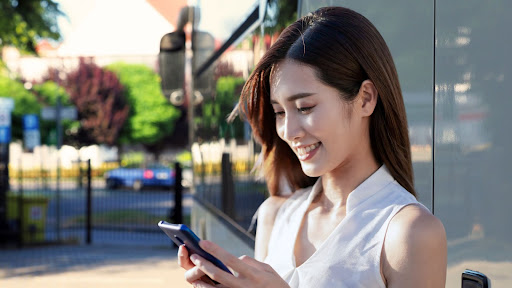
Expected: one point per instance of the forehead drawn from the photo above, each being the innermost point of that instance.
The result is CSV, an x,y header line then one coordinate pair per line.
x,y
290,77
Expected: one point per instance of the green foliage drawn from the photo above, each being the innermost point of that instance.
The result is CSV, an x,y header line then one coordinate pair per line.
x,y
215,111
24,103
132,159
185,158
280,14
151,116
23,22
4,72
49,91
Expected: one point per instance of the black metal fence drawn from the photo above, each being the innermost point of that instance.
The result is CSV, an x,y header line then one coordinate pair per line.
x,y
231,189
74,205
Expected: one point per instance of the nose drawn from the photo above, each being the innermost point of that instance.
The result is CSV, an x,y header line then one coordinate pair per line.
x,y
291,129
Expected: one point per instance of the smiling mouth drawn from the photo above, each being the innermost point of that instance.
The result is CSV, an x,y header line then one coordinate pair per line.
x,y
306,152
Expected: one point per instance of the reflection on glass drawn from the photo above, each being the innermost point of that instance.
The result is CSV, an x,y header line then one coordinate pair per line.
x,y
407,28
472,182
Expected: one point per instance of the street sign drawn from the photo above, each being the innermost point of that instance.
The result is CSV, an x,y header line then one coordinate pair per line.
x,y
31,134
5,125
66,113
31,139
7,103
30,122
5,117
5,135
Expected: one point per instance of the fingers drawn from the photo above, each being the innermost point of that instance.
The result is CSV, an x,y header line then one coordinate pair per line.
x,y
201,284
183,258
212,271
255,263
228,259
194,274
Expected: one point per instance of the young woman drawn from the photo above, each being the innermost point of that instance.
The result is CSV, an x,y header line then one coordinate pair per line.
x,y
326,105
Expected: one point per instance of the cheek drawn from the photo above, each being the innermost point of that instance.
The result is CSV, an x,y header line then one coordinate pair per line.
x,y
280,129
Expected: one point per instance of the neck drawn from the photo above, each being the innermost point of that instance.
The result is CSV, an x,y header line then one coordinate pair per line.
x,y
339,183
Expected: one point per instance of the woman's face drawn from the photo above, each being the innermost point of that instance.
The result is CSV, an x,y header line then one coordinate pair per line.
x,y
313,120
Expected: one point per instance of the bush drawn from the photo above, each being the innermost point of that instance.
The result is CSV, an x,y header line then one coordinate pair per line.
x,y
151,116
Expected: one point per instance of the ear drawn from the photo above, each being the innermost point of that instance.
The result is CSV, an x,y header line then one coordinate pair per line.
x,y
368,96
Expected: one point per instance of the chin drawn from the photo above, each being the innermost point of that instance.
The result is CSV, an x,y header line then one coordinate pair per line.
x,y
311,171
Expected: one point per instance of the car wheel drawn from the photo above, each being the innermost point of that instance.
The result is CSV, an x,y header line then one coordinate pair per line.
x,y
137,185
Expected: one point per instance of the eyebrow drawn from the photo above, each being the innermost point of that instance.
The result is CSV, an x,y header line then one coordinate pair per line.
x,y
294,97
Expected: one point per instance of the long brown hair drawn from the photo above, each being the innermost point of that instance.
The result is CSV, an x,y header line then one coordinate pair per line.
x,y
345,49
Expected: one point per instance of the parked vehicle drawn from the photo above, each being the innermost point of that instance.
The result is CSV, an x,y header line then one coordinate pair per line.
x,y
153,175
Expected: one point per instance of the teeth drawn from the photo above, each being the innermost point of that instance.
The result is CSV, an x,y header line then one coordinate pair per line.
x,y
303,151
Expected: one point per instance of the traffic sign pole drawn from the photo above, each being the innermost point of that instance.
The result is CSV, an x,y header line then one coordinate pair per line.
x,y
6,106
59,145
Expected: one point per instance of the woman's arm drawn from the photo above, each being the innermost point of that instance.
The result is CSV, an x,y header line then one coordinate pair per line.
x,y
266,216
414,252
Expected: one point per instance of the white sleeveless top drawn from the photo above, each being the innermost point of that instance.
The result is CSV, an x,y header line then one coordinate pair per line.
x,y
350,256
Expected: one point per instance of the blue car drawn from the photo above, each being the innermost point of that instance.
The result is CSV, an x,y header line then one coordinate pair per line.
x,y
154,175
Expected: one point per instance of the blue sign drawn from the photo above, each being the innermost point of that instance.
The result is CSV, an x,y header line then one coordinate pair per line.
x,y
31,135
5,134
30,122
7,103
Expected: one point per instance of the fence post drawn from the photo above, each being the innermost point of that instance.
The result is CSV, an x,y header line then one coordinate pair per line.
x,y
228,193
20,206
89,203
177,216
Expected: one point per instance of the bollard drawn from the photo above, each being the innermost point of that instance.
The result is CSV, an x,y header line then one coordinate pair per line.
x,y
177,214
228,192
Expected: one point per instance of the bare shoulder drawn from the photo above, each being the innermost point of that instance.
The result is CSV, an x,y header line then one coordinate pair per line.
x,y
414,252
267,213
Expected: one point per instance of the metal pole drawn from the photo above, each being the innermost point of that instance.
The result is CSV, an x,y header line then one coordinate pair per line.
x,y
228,192
178,194
20,206
89,203
59,144
189,78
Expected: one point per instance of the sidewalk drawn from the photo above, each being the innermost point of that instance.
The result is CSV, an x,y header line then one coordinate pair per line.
x,y
91,266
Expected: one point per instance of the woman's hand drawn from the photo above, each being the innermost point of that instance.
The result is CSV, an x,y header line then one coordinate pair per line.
x,y
185,263
247,272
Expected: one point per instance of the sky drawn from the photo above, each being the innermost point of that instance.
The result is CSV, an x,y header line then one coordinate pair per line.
x,y
104,26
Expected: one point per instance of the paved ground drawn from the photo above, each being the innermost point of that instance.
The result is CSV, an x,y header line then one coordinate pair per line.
x,y
91,266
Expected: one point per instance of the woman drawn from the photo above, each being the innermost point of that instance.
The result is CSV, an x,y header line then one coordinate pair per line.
x,y
326,105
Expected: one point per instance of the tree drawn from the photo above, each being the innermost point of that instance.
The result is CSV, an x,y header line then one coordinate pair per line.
x,y
24,103
99,99
151,117
215,111
23,22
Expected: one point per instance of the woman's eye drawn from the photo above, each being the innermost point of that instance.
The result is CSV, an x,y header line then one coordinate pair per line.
x,y
279,114
304,110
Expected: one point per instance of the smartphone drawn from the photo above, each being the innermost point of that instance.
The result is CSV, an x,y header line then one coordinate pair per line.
x,y
180,234
475,279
